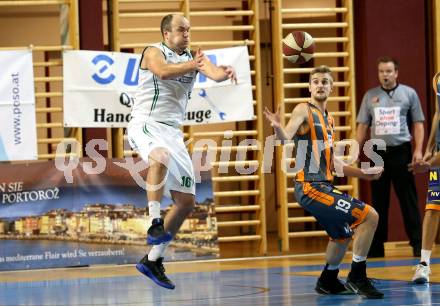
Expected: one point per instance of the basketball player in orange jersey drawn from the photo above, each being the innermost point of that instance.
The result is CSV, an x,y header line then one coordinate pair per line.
x,y
312,129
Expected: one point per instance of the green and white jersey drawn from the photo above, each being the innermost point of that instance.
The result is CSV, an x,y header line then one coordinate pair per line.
x,y
164,100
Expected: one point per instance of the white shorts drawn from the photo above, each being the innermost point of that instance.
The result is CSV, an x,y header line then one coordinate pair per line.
x,y
145,136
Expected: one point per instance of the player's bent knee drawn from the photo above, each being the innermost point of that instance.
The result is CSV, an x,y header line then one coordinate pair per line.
x,y
372,215
190,205
186,207
185,202
342,241
159,157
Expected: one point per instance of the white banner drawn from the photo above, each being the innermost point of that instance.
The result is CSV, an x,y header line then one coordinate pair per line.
x,y
213,102
18,134
99,89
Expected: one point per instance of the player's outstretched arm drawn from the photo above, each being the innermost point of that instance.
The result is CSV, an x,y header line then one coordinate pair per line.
x,y
299,116
216,73
154,61
369,174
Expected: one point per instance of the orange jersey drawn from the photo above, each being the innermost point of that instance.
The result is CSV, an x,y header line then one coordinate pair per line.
x,y
314,148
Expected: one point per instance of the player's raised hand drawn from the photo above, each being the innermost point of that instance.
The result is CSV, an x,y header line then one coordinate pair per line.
x,y
273,118
199,59
230,72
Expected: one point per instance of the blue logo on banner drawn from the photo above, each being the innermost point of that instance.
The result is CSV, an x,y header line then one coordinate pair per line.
x,y
103,63
102,78
131,74
3,155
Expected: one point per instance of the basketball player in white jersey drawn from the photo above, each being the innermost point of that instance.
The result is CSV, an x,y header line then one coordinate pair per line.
x,y
167,74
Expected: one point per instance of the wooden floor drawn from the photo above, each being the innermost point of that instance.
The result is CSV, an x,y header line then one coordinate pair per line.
x,y
287,280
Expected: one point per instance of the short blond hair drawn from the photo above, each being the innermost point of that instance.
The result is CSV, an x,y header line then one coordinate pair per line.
x,y
321,69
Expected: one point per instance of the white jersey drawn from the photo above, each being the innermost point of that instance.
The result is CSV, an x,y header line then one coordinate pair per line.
x,y
163,100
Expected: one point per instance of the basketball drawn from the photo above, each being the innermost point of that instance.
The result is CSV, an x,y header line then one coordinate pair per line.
x,y
298,47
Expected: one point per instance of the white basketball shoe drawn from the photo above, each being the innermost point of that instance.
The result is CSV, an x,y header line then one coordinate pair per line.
x,y
421,275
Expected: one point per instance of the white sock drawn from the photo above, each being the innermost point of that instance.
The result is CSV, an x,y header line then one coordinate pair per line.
x,y
157,251
425,256
358,258
331,267
154,209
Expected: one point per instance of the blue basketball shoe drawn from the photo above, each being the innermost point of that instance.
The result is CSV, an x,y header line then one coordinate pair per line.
x,y
155,271
156,233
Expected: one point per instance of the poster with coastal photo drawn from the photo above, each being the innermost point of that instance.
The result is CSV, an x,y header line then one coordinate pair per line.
x,y
51,218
